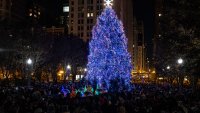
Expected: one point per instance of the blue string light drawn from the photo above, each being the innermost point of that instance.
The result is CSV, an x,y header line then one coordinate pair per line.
x,y
109,63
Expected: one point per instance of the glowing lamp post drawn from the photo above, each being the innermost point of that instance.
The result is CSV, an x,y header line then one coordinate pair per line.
x,y
168,67
68,69
29,62
180,62
168,72
85,71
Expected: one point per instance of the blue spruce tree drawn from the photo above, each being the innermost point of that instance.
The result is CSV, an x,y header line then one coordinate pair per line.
x,y
109,63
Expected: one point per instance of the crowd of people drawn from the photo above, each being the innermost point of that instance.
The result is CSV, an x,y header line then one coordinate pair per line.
x,y
49,98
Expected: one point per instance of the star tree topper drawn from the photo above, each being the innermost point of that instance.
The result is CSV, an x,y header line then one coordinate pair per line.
x,y
108,3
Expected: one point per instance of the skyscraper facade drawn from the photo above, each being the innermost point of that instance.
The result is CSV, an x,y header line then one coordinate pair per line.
x,y
12,11
139,50
5,9
82,16
59,25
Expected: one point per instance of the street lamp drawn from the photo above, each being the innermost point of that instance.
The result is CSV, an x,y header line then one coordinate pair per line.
x,y
168,67
180,61
85,69
68,67
29,62
85,72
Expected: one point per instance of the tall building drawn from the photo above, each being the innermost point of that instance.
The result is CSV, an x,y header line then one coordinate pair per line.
x,y
82,16
56,17
58,31
5,9
63,18
139,51
13,12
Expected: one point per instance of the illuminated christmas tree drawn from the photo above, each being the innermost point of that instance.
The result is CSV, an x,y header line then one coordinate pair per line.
x,y
109,63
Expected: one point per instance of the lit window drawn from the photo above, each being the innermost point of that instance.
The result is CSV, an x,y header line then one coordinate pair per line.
x,y
91,14
30,14
159,14
38,13
66,9
35,16
88,14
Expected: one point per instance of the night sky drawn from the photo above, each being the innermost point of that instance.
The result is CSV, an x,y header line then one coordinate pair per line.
x,y
52,10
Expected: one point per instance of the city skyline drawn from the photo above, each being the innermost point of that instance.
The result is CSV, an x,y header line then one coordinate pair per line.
x,y
57,33
70,17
